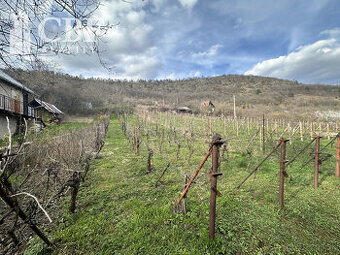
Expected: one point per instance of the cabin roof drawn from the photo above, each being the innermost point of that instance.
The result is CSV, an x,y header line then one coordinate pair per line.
x,y
15,83
207,103
48,107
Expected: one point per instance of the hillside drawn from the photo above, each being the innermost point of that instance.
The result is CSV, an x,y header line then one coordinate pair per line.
x,y
255,95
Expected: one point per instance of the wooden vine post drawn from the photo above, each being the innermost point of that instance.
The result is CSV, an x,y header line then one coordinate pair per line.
x,y
317,162
301,131
74,190
337,168
283,173
263,135
134,139
216,144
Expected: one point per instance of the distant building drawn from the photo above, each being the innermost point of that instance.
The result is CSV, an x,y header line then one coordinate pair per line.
x,y
184,109
45,111
14,98
207,107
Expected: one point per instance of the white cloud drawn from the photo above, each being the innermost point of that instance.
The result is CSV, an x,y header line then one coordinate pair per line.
x,y
212,51
171,76
139,66
314,63
197,74
127,48
158,5
131,35
206,59
332,33
189,4
181,75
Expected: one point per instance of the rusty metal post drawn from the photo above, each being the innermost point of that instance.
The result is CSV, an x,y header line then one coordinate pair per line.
x,y
337,169
283,173
317,161
216,144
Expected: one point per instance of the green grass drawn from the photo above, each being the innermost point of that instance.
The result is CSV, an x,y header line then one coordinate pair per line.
x,y
51,130
54,129
121,212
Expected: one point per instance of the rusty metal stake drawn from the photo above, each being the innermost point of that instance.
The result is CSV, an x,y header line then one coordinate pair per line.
x,y
317,162
216,144
283,173
194,176
337,169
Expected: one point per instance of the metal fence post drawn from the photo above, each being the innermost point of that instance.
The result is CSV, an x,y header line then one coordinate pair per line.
x,y
282,171
216,144
337,168
317,161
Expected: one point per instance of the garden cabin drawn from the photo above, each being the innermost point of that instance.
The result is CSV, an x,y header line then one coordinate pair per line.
x,y
46,112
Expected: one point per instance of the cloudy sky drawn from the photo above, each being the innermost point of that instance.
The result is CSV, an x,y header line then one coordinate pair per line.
x,y
156,39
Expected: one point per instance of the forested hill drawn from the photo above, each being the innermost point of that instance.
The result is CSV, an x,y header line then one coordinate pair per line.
x,y
254,94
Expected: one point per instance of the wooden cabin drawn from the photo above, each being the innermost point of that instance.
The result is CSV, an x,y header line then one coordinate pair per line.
x,y
46,112
207,107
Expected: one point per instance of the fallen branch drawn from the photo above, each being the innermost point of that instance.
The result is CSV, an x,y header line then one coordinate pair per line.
x,y
36,200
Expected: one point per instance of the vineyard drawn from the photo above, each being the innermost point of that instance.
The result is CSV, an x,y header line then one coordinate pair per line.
x,y
244,139
169,127
129,203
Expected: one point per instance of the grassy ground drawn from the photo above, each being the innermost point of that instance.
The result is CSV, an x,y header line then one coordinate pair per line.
x,y
54,129
121,212
51,130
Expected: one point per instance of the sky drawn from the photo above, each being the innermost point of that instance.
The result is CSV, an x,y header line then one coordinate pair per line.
x,y
174,39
